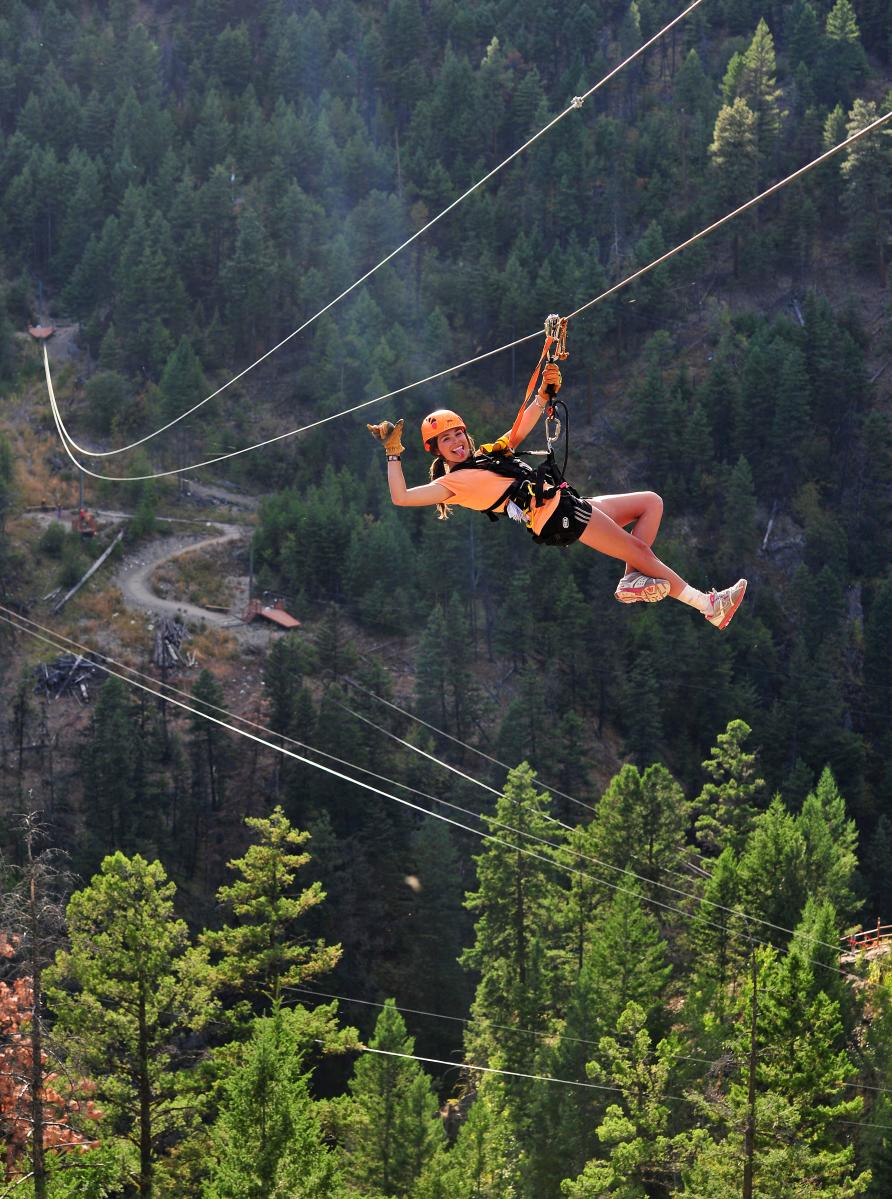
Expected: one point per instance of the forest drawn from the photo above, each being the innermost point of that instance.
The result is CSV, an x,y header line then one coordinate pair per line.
x,y
477,885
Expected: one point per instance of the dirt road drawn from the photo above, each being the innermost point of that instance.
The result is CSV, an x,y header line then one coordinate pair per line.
x,y
134,574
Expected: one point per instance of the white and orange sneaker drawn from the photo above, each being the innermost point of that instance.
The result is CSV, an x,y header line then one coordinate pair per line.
x,y
725,604
633,588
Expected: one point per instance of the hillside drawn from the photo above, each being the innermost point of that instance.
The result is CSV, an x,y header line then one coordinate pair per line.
x,y
182,187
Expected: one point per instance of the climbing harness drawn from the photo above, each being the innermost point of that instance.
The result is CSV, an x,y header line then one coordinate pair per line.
x,y
532,486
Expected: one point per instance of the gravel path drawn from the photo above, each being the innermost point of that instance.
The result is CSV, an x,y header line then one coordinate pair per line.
x,y
134,575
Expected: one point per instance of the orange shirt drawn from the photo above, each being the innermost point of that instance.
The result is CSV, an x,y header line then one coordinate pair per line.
x,y
478,489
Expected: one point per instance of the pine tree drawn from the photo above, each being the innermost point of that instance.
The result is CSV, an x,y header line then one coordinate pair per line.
x,y
389,1127
867,170
108,764
735,156
267,1138
125,996
758,86
772,869
635,1130
791,1047
640,825
516,906
740,500
716,946
263,953
726,803
831,842
843,61
484,1162
627,959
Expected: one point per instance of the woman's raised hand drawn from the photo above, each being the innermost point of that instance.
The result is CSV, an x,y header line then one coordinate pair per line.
x,y
551,378
389,435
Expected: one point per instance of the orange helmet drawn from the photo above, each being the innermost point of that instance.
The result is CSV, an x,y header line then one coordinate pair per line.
x,y
435,424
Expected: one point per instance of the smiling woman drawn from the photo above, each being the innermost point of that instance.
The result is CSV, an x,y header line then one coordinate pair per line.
x,y
493,481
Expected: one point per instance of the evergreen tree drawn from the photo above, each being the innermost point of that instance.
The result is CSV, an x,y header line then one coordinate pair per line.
x,y
843,61
267,1138
716,944
831,842
263,953
516,906
182,386
108,765
635,1131
627,959
725,804
734,152
757,85
484,1162
799,1074
389,1126
124,998
648,812
772,869
867,170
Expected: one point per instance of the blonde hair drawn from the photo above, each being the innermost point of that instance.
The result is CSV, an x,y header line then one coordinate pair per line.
x,y
439,468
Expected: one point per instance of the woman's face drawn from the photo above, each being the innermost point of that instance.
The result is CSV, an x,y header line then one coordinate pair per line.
x,y
453,446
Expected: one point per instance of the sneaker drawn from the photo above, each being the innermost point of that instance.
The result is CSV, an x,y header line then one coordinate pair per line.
x,y
634,587
725,604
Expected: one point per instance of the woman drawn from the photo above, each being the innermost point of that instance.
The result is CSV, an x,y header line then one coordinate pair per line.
x,y
479,479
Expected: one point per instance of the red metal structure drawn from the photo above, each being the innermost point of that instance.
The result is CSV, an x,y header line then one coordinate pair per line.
x,y
274,612
868,938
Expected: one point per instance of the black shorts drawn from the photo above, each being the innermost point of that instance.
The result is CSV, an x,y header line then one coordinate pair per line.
x,y
568,521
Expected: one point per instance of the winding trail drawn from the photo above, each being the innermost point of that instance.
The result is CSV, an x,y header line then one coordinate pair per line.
x,y
134,575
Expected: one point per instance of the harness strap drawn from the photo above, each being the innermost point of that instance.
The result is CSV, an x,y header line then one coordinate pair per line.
x,y
531,387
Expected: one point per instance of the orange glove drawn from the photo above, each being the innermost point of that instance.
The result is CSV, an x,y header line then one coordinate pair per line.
x,y
551,379
389,436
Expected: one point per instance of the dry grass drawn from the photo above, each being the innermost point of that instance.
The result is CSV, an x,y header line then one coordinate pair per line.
x,y
213,647
197,578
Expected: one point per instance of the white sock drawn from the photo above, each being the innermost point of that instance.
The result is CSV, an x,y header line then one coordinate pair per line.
x,y
696,599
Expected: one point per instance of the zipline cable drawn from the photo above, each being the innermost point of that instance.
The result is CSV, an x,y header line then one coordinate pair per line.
x,y
554,1035
682,874
604,865
460,366
483,818
567,1082
574,104
463,744
469,1066
14,619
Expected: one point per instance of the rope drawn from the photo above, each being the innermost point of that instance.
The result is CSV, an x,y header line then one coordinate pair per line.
x,y
20,622
469,361
575,103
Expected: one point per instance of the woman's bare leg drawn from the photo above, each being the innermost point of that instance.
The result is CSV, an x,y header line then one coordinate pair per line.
x,y
605,534
644,508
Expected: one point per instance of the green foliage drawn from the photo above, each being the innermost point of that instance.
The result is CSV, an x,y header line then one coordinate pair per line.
x,y
267,1138
124,997
726,804
107,394
389,1127
634,1132
264,953
484,1162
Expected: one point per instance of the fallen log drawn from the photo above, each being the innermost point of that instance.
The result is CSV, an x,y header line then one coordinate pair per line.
x,y
59,604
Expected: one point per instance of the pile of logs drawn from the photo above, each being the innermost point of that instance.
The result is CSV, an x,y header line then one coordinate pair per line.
x,y
68,675
169,638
